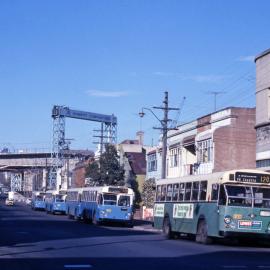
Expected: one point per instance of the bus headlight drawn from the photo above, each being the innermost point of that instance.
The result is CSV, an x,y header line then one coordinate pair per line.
x,y
102,212
227,219
128,216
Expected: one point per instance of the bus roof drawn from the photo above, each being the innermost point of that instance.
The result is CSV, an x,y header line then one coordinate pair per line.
x,y
240,176
110,189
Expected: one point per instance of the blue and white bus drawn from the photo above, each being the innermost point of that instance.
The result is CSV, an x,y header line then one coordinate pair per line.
x,y
73,203
38,200
103,204
55,202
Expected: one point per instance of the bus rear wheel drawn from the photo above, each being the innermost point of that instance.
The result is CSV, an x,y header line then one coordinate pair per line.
x,y
202,233
166,228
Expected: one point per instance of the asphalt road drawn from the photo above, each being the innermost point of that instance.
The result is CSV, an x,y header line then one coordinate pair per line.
x,y
34,240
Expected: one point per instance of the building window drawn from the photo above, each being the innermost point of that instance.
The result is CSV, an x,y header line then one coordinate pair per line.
x,y
174,157
205,151
152,162
263,163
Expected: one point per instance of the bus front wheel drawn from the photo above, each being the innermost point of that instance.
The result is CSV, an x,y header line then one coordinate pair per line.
x,y
166,228
202,233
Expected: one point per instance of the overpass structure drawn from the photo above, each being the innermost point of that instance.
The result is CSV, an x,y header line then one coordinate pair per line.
x,y
29,171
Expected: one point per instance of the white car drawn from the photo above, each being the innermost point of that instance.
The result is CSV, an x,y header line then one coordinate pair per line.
x,y
9,201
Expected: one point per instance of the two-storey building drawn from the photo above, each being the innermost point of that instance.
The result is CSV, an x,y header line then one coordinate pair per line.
x,y
220,141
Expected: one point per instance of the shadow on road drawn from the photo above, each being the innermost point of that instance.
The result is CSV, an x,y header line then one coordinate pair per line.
x,y
214,260
26,226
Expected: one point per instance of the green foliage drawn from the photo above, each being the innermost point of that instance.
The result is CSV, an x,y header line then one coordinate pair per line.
x,y
111,173
138,199
92,172
108,171
148,193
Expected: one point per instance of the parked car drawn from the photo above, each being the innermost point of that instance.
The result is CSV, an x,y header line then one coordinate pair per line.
x,y
9,201
28,201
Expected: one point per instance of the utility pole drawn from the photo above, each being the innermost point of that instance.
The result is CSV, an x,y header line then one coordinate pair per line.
x,y
215,93
164,128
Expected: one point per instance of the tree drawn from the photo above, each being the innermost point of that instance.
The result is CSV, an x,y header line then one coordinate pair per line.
x,y
92,172
107,171
148,193
111,172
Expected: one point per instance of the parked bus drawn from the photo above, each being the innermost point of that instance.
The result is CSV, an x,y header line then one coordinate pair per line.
x,y
55,202
38,200
103,204
73,203
232,204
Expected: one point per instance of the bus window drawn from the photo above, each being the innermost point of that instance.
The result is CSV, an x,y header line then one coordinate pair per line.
x,y
195,191
214,193
109,199
124,200
169,193
187,192
262,197
175,192
100,199
158,193
163,193
39,198
181,191
59,198
222,195
239,195
203,188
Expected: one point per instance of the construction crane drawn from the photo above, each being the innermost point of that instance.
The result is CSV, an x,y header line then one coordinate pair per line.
x,y
59,114
175,121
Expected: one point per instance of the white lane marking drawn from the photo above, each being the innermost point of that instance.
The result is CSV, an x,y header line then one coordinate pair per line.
x,y
234,266
77,266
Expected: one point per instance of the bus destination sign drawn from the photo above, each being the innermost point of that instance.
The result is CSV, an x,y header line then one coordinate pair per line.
x,y
252,178
118,189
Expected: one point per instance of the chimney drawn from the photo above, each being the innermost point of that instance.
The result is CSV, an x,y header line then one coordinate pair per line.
x,y
139,137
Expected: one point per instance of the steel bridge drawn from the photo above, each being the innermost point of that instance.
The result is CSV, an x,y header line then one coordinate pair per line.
x,y
29,171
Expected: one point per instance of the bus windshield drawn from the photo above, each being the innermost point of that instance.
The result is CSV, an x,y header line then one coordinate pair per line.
x,y
39,198
59,198
124,200
248,196
109,199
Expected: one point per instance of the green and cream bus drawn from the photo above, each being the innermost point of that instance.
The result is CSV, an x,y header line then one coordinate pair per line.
x,y
231,204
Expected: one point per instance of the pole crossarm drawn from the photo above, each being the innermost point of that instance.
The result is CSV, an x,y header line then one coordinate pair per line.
x,y
164,127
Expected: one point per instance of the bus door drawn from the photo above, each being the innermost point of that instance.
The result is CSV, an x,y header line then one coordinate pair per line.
x,y
218,212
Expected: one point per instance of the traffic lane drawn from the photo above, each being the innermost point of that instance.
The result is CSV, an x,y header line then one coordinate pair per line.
x,y
112,247
21,225
217,260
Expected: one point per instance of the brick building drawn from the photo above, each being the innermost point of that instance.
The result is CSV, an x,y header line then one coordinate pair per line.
x,y
220,141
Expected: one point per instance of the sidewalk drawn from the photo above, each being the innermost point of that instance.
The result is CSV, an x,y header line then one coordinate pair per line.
x,y
144,225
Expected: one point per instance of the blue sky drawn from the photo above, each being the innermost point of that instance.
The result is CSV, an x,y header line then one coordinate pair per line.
x,y
115,57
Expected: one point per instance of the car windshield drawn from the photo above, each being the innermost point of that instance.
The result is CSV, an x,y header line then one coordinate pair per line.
x,y
124,200
109,199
